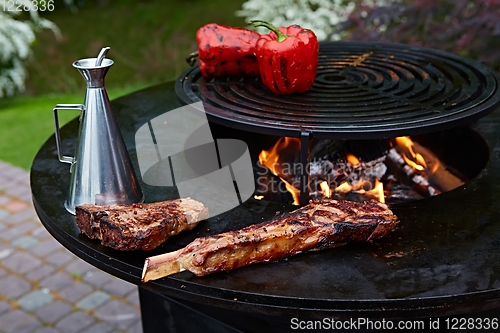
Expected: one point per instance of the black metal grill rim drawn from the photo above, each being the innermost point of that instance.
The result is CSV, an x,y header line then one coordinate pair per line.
x,y
363,90
461,228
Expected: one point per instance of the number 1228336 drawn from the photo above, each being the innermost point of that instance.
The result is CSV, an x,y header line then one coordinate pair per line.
x,y
27,5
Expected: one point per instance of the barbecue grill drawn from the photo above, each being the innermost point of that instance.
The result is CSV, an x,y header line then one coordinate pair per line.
x,y
443,259
362,91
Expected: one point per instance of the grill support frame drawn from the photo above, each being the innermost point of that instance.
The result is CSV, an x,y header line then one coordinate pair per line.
x,y
304,159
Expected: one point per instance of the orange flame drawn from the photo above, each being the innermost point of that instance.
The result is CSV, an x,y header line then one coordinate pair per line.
x,y
416,161
377,191
413,164
352,159
344,187
273,159
325,189
294,191
380,191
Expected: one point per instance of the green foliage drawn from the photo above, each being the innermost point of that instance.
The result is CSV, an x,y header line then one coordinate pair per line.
x,y
26,123
149,41
17,33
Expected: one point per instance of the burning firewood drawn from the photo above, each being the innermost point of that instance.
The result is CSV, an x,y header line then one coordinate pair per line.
x,y
397,170
336,170
404,172
425,164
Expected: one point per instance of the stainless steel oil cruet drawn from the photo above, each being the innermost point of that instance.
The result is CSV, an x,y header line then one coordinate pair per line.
x,y
101,170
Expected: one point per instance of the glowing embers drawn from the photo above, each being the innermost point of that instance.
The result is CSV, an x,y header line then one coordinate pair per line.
x,y
393,170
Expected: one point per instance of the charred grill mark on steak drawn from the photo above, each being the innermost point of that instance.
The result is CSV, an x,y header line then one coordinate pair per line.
x,y
321,224
139,226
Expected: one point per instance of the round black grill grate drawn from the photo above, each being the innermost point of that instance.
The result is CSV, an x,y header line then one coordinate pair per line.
x,y
362,90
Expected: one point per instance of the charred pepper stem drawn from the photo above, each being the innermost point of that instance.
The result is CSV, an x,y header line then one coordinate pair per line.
x,y
191,59
260,23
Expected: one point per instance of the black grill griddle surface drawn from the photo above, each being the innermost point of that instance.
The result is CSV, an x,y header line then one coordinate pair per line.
x,y
443,259
363,90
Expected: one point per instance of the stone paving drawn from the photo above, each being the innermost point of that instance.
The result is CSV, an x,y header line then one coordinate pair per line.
x,y
44,288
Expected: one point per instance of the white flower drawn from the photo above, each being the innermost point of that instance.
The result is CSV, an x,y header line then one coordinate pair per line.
x,y
16,38
321,16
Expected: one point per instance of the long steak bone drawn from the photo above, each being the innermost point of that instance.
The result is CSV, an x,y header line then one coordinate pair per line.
x,y
321,224
139,226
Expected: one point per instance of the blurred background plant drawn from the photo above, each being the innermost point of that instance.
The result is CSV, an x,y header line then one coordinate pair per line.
x,y
321,16
17,34
149,40
467,27
470,28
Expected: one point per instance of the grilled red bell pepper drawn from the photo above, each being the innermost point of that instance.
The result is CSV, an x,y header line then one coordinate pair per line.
x,y
227,51
288,58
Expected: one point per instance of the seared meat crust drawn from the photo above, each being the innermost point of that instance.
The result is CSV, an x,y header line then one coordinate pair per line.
x,y
139,226
319,225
